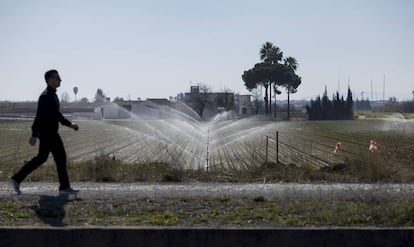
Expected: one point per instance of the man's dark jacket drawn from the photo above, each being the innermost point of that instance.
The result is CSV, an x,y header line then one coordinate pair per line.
x,y
48,115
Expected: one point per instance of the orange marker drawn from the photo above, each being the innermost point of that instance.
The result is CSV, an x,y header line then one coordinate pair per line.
x,y
337,146
372,146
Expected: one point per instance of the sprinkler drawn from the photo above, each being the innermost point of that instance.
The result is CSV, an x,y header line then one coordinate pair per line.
x,y
208,140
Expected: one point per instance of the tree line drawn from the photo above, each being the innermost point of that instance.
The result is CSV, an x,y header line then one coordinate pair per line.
x,y
273,72
99,96
335,109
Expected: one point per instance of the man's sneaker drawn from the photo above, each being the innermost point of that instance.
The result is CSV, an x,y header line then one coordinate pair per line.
x,y
68,191
15,185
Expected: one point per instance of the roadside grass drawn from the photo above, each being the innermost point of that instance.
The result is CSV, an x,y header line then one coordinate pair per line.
x,y
212,212
381,114
408,115
363,168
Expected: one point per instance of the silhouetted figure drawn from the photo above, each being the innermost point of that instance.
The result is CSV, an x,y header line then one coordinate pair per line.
x,y
45,127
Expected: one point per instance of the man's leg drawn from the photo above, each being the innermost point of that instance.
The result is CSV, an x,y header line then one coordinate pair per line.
x,y
33,163
59,154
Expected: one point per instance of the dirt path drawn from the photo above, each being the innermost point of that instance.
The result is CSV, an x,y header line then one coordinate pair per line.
x,y
287,191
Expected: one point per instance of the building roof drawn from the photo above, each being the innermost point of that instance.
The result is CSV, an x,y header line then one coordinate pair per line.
x,y
160,101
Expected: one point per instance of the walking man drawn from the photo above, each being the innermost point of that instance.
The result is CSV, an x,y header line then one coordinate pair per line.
x,y
45,127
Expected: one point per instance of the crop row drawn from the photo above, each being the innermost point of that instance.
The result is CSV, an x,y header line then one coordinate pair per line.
x,y
231,144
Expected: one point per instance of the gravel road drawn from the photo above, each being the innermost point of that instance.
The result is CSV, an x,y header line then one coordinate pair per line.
x,y
282,191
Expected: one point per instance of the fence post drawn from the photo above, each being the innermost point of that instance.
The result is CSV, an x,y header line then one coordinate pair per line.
x,y
208,142
267,148
277,147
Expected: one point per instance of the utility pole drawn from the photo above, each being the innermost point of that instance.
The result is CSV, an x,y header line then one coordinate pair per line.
x,y
372,93
383,90
339,85
267,148
277,146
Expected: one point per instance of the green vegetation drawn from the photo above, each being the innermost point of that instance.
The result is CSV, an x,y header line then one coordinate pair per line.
x,y
382,115
375,114
366,168
215,212
408,115
271,74
335,109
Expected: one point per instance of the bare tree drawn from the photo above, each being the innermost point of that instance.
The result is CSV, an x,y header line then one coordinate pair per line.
x,y
65,97
203,98
257,96
100,96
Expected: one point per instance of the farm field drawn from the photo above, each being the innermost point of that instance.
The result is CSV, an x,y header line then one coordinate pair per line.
x,y
228,144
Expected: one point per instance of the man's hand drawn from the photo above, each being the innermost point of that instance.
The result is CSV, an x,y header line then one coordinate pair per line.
x,y
74,126
32,141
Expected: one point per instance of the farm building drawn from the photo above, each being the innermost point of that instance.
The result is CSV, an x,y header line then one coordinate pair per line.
x,y
28,110
208,104
147,109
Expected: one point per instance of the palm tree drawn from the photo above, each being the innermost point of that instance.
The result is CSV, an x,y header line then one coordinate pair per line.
x,y
292,64
75,91
272,54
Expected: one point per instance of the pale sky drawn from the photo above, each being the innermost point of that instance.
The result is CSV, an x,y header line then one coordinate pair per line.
x,y
156,49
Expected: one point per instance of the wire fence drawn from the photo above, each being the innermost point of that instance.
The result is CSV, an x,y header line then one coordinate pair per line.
x,y
311,148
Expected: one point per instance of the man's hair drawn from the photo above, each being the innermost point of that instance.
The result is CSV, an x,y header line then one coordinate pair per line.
x,y
50,73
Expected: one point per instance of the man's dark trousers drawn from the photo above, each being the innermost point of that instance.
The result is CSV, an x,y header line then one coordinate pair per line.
x,y
48,143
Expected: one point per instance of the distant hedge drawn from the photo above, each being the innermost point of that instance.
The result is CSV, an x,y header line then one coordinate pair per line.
x,y
335,109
